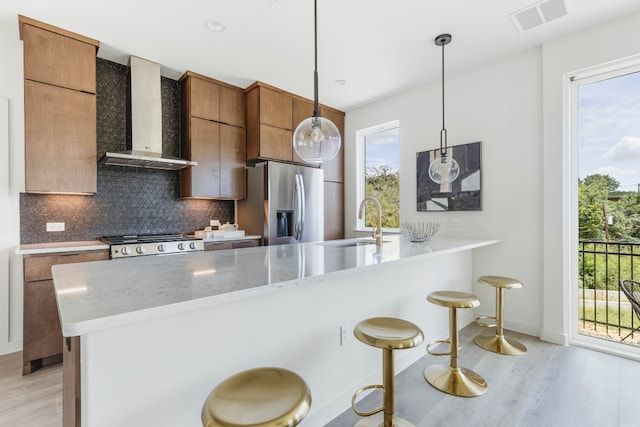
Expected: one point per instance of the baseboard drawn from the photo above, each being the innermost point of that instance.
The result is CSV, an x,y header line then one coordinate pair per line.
x,y
554,337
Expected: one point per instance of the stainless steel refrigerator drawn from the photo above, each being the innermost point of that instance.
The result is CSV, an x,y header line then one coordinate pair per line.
x,y
284,204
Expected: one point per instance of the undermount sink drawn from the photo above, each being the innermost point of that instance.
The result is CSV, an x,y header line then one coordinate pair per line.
x,y
350,242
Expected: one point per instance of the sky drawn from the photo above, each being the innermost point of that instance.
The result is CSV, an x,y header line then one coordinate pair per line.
x,y
609,130
383,149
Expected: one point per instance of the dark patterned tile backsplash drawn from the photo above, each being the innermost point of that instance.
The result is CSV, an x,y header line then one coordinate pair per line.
x,y
128,200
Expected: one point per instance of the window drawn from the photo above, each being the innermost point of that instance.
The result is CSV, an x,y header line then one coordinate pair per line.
x,y
605,196
378,173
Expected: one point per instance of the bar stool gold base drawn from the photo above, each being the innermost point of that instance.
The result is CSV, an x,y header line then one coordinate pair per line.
x,y
461,382
377,421
500,344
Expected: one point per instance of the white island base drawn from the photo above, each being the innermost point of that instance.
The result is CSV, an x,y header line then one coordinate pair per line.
x,y
156,365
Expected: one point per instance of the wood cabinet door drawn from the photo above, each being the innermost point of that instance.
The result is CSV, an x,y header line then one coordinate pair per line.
x,y
205,149
245,244
302,110
276,143
42,334
204,99
232,108
38,267
233,152
334,168
333,210
275,108
60,139
58,60
217,246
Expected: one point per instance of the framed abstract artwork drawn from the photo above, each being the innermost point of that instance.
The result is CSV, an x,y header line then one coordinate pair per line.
x,y
463,194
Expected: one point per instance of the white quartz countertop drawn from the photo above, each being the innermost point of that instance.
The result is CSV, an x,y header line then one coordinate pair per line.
x,y
104,294
48,248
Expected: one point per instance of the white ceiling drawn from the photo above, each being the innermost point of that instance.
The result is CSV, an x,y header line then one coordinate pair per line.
x,y
380,47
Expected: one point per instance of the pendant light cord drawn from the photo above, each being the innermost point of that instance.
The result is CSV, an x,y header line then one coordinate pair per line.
x,y
443,131
316,111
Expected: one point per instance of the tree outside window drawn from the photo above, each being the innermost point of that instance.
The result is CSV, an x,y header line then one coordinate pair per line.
x,y
380,173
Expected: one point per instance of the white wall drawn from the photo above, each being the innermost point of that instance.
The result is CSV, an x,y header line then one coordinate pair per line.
x,y
500,105
11,184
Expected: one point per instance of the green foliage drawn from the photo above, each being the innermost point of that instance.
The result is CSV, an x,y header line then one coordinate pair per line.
x,y
384,185
602,265
609,184
612,316
602,219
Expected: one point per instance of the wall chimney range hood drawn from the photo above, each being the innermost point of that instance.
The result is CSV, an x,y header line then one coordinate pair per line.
x,y
144,144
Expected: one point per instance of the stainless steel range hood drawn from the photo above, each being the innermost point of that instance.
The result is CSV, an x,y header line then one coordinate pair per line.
x,y
144,147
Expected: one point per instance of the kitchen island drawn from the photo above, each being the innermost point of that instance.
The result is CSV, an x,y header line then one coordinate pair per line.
x,y
157,333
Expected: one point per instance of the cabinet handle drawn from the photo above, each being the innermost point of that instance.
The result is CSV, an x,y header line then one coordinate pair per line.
x,y
68,341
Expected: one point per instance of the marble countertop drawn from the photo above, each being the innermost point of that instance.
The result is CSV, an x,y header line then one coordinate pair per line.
x,y
104,294
47,248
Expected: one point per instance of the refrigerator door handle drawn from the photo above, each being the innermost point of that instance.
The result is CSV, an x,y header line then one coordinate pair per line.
x,y
298,206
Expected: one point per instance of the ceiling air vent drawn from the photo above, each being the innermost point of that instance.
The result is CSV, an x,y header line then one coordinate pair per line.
x,y
538,14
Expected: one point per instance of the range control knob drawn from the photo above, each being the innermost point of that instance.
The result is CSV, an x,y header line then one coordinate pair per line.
x,y
125,250
192,245
161,247
181,246
140,249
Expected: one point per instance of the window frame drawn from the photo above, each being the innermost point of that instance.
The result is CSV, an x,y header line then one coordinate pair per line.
x,y
361,167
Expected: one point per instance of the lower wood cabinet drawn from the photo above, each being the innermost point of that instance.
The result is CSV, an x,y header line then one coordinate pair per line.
x,y
234,244
41,332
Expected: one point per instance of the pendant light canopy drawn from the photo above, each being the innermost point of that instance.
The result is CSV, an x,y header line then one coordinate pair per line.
x,y
316,139
443,169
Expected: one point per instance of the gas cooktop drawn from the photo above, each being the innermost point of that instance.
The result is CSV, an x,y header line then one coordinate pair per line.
x,y
151,244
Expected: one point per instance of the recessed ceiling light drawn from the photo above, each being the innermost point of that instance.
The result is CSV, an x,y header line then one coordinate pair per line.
x,y
340,82
215,25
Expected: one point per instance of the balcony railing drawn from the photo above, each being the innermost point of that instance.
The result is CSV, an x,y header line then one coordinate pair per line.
x,y
603,309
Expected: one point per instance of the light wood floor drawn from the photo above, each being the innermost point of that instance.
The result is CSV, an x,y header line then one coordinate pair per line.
x,y
33,400
548,386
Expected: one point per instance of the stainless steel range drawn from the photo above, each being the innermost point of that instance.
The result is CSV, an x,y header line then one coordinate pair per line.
x,y
152,244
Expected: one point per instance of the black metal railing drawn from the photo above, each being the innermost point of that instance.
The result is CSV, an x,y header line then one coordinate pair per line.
x,y
603,308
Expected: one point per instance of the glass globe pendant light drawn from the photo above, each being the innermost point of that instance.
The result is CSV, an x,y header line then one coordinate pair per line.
x,y
443,169
316,139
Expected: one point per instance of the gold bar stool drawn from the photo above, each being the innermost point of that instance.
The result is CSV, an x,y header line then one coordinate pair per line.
x,y
498,343
453,379
261,397
389,334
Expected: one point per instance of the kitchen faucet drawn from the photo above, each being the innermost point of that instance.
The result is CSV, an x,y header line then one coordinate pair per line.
x,y
378,233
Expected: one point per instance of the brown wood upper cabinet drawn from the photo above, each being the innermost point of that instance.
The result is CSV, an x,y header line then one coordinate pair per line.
x,y
272,117
302,109
60,109
213,136
269,123
58,57
334,168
